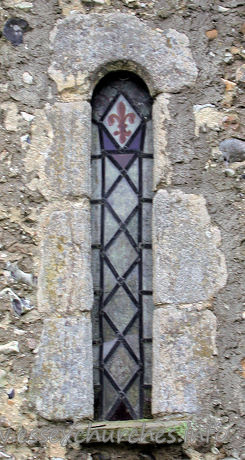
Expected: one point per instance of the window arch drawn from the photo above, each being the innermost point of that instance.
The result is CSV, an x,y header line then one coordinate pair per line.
x,y
122,157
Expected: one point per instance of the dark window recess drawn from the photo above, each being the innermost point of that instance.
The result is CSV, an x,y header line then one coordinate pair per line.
x,y
122,158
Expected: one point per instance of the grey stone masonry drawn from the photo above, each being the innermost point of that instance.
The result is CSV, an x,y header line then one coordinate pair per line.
x,y
183,359
85,47
60,150
61,384
65,280
188,266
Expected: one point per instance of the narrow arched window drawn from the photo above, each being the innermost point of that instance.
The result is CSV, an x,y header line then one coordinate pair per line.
x,y
122,157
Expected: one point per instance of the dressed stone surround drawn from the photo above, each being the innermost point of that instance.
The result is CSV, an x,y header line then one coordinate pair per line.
x,y
189,269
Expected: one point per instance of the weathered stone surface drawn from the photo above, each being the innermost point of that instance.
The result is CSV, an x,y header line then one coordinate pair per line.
x,y
167,8
170,67
3,374
12,118
62,381
207,117
11,347
60,150
17,4
65,281
240,74
67,6
188,267
183,361
162,165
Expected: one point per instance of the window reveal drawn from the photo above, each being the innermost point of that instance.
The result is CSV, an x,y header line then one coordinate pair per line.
x,y
122,159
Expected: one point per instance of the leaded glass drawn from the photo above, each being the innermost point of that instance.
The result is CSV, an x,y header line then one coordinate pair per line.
x,y
122,159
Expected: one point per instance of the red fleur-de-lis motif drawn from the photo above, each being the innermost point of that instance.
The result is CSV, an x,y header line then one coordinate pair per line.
x,y
121,119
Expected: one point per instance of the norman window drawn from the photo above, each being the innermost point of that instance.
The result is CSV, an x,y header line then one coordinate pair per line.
x,y
122,157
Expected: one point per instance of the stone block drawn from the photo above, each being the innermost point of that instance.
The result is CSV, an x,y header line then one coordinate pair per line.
x,y
62,377
183,360
65,280
162,165
163,59
60,150
188,267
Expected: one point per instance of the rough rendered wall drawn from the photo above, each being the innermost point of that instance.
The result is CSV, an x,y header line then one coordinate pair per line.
x,y
195,121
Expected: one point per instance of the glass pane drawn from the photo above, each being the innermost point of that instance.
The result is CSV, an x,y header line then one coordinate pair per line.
x,y
95,319
132,338
110,338
147,403
135,142
121,366
96,376
109,334
132,227
110,395
148,363
96,179
121,254
95,217
109,280
133,172
96,269
95,140
111,226
147,219
133,395
122,159
133,281
148,309
107,143
111,173
147,178
123,199
147,269
148,144
120,309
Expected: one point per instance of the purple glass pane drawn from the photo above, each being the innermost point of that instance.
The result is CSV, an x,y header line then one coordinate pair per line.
x,y
123,158
107,143
136,142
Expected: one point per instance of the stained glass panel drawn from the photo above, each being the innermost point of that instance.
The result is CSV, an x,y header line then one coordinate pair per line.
x,y
122,159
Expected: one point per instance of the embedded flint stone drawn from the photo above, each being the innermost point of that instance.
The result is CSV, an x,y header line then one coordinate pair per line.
x,y
188,267
162,59
65,280
62,377
232,150
13,30
183,359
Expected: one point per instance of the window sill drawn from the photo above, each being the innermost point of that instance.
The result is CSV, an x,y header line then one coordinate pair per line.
x,y
143,431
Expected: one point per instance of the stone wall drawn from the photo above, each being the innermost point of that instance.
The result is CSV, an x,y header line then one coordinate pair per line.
x,y
199,142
